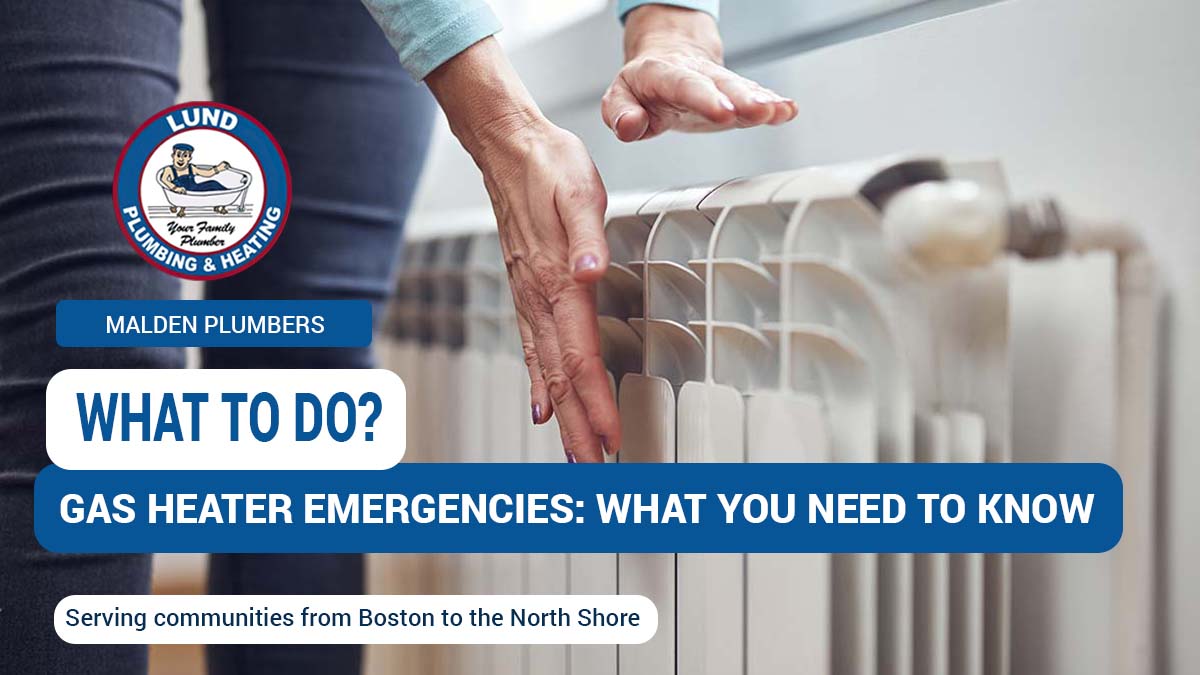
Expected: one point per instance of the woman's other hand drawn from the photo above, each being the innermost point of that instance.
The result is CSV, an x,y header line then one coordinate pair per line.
x,y
674,78
549,203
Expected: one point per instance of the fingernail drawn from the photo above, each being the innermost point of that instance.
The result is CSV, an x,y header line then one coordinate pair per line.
x,y
537,413
605,444
586,263
726,103
570,457
617,122
763,99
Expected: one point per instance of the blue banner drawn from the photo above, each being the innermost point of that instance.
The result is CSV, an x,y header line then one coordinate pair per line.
x,y
527,508
214,323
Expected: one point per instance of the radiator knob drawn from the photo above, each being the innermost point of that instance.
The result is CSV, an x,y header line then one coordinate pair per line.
x,y
951,223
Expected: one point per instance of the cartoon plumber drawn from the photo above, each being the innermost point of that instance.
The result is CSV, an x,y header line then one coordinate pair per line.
x,y
180,176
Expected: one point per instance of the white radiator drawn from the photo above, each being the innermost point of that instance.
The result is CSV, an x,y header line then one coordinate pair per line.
x,y
760,320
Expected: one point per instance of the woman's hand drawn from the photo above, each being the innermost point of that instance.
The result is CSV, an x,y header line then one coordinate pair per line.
x,y
673,78
549,203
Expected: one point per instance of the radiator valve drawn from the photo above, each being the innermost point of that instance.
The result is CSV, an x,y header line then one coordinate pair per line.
x,y
958,223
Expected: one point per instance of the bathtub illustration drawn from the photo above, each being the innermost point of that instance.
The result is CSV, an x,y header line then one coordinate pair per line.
x,y
235,182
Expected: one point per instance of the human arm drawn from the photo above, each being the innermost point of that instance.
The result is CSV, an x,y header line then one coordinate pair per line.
x,y
166,179
548,199
210,171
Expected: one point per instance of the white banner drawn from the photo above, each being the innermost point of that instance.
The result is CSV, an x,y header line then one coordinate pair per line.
x,y
225,419
356,619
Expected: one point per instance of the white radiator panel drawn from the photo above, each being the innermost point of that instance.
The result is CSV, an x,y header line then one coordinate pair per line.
x,y
647,406
593,574
789,598
931,572
1067,336
547,572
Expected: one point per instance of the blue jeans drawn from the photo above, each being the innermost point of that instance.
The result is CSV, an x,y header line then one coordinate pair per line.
x,y
79,76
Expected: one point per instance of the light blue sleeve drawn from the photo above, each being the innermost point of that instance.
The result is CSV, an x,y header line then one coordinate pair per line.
x,y
427,33
711,6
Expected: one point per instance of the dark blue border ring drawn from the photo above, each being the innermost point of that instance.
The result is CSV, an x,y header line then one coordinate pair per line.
x,y
277,196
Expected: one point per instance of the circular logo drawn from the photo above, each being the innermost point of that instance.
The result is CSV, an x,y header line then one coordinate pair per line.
x,y
202,190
